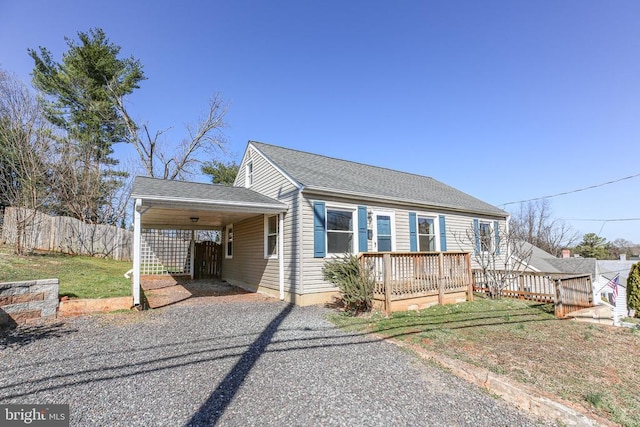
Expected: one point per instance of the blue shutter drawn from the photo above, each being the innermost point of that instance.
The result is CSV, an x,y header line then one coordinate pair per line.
x,y
362,229
476,234
413,232
443,234
319,235
496,230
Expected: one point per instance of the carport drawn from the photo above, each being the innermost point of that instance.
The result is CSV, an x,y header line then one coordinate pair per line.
x,y
163,205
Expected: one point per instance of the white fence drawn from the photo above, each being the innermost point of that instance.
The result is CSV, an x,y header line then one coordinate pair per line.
x,y
67,235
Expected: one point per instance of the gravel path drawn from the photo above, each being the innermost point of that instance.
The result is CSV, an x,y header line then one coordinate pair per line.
x,y
235,364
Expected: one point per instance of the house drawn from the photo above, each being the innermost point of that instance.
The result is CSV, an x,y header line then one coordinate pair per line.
x,y
544,262
602,273
603,292
290,211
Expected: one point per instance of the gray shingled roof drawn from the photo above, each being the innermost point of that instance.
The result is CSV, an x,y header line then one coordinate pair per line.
x,y
316,172
547,263
162,189
539,259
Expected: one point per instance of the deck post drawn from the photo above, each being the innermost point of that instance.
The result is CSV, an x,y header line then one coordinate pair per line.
x,y
557,301
386,281
441,278
470,278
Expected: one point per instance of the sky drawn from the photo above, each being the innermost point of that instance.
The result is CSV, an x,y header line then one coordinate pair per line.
x,y
504,100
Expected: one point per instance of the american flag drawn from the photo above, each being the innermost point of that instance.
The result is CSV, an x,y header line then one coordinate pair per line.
x,y
613,283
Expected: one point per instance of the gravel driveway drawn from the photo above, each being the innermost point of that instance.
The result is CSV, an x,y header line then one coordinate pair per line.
x,y
234,363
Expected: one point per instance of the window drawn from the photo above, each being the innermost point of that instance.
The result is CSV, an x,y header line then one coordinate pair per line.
x,y
485,236
229,242
339,231
249,174
270,236
426,234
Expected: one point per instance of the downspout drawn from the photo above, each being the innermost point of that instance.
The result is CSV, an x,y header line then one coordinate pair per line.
x,y
137,226
281,253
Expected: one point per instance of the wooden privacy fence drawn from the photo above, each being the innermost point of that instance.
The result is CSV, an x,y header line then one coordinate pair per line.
x,y
403,279
65,234
566,292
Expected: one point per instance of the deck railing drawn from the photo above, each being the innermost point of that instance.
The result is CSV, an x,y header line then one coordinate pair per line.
x,y
567,292
404,275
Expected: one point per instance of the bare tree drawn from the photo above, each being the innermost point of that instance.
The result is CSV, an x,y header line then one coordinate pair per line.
x,y
24,156
162,161
534,224
499,255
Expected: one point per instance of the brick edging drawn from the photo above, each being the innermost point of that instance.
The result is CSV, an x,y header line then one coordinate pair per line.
x,y
524,397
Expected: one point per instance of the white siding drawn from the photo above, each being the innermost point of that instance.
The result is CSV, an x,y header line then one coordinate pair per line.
x,y
456,227
249,266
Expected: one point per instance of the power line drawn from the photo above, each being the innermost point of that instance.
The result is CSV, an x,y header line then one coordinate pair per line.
x,y
572,191
602,220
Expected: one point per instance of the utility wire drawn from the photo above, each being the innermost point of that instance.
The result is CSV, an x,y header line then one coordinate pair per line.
x,y
601,220
572,191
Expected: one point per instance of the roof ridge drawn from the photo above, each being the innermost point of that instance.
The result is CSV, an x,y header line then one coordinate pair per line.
x,y
347,161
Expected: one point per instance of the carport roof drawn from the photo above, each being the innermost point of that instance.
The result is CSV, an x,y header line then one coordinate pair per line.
x,y
198,192
173,203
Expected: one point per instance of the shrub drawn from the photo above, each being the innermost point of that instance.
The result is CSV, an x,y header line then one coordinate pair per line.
x,y
633,289
356,286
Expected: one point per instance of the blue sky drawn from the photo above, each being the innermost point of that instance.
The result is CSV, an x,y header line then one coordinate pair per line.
x,y
505,100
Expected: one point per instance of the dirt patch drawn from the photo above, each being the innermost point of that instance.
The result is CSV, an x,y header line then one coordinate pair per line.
x,y
163,291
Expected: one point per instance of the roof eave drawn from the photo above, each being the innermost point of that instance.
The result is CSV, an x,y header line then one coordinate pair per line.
x,y
234,206
400,201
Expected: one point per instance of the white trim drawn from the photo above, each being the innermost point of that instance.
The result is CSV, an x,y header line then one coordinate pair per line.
x,y
276,167
354,226
281,254
137,231
390,214
436,228
248,174
192,254
411,204
492,235
266,236
226,241
168,202
298,285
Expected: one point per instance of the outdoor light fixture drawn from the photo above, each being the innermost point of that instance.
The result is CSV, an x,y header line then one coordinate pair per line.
x,y
194,219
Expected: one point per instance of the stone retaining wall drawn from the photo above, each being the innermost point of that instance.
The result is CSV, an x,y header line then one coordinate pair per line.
x,y
21,302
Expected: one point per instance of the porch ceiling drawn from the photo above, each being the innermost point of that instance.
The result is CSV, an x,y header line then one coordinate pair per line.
x,y
180,218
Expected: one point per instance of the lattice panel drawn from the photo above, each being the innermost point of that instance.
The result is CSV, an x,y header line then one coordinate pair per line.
x,y
165,252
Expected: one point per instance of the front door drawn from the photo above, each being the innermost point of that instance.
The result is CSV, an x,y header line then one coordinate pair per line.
x,y
383,239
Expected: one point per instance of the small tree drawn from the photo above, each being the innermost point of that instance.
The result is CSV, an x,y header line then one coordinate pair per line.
x,y
633,289
355,283
592,246
221,173
24,157
534,223
498,253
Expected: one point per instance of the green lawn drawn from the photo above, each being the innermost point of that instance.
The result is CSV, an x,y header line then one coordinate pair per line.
x,y
593,365
80,277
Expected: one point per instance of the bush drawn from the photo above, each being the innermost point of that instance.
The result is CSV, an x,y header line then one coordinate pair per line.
x,y
633,289
356,286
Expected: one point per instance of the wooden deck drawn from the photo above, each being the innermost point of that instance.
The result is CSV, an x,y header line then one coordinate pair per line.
x,y
405,280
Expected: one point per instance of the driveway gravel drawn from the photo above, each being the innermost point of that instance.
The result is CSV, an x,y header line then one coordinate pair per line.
x,y
234,363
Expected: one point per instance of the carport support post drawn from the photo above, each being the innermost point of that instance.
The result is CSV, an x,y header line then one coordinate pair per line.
x,y
192,249
281,253
136,252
